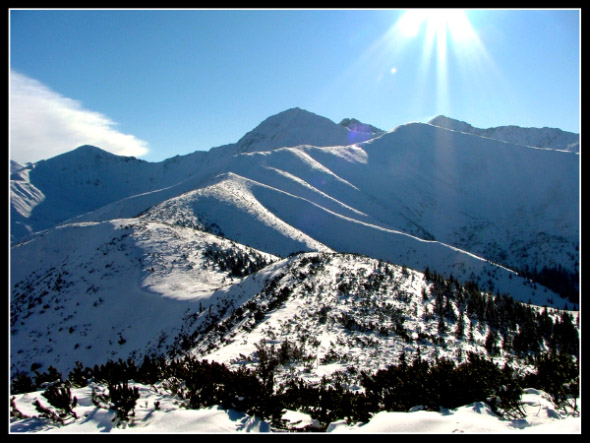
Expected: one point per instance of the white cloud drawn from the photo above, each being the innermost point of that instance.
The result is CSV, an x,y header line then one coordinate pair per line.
x,y
44,124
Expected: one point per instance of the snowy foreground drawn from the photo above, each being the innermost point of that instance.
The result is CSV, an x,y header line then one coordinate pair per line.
x,y
158,412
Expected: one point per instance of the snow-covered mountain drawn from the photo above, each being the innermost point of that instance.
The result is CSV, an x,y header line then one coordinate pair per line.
x,y
355,125
303,182
51,191
128,288
551,138
333,249
297,126
114,257
97,291
404,181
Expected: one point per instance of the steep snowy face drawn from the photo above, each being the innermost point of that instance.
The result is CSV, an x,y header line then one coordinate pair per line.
x,y
230,208
15,167
52,191
551,138
514,205
295,127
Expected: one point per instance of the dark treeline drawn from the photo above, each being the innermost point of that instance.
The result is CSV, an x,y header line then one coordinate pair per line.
x,y
440,383
517,328
562,281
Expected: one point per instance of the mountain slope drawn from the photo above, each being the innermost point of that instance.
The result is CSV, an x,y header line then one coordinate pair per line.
x,y
89,178
405,181
233,202
325,313
551,138
478,194
511,205
128,288
107,290
402,231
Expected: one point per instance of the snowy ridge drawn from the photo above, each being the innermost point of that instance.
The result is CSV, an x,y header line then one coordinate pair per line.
x,y
295,221
355,198
230,204
401,180
550,138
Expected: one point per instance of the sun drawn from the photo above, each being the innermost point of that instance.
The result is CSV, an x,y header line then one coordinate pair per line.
x,y
438,23
447,39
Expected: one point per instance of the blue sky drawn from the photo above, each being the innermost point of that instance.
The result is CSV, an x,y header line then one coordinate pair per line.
x,y
157,83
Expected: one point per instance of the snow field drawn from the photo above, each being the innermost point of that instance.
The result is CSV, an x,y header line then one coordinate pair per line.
x,y
169,417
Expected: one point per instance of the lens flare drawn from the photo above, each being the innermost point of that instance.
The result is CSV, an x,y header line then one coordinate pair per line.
x,y
438,23
448,41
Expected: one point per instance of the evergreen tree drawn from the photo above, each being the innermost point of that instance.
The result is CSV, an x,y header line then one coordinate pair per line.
x,y
52,375
21,383
79,376
59,395
558,375
460,328
490,343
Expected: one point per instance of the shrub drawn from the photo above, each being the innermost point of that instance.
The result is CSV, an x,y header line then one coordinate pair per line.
x,y
21,383
123,399
59,395
558,375
120,397
52,375
79,376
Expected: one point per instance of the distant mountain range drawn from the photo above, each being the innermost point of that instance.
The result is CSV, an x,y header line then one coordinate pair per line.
x,y
550,138
465,190
113,256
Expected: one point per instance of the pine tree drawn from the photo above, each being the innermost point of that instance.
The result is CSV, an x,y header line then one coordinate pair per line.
x,y
490,343
21,383
460,328
123,399
79,376
59,395
52,375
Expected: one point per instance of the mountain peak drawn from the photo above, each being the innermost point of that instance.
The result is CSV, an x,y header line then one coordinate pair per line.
x,y
294,127
357,126
442,121
89,149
